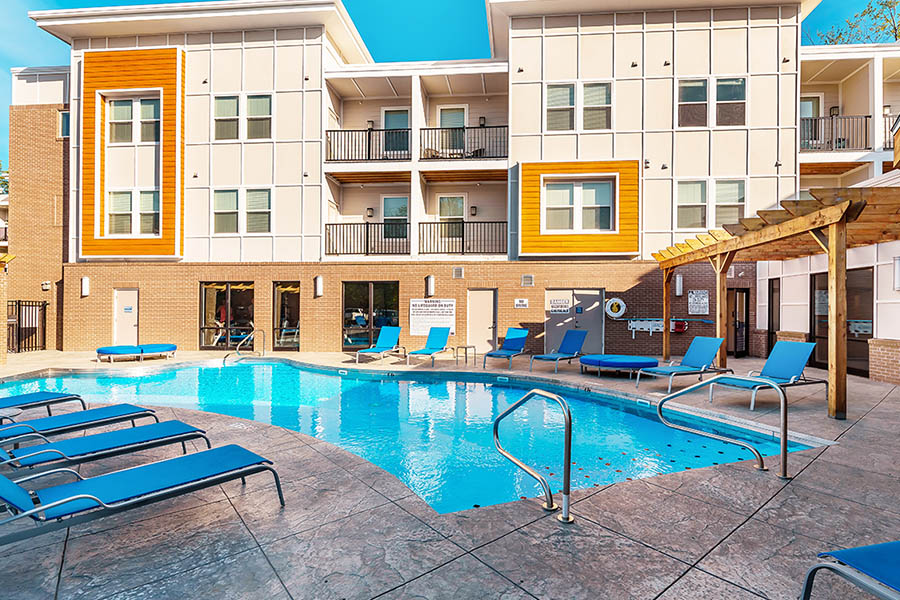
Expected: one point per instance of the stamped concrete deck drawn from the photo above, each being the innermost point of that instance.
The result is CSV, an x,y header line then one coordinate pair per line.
x,y
351,530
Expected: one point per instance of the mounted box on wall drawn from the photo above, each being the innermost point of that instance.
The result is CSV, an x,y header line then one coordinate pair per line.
x,y
85,286
318,286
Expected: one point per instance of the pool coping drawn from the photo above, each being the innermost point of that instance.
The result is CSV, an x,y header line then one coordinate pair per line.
x,y
448,374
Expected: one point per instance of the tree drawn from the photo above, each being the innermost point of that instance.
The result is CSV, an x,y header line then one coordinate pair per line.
x,y
877,22
4,180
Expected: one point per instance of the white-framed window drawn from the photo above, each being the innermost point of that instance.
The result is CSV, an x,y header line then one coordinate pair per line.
x,y
730,201
395,215
225,211
132,213
597,108
119,217
149,116
226,118
148,212
64,124
259,211
579,206
452,119
691,209
130,115
121,121
693,103
731,101
452,211
259,117
560,107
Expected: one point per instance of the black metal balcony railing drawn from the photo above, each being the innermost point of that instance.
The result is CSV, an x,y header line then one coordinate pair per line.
x,y
888,138
354,145
441,143
457,237
835,133
366,238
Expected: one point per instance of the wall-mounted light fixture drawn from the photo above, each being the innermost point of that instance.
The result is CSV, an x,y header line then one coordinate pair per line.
x,y
370,124
473,210
85,286
666,63
429,286
679,284
45,286
318,286
370,212
633,64
482,121
777,164
646,163
897,273
520,70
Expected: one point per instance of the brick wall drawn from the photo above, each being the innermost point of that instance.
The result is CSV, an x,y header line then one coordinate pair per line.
x,y
759,343
791,336
38,193
884,360
4,286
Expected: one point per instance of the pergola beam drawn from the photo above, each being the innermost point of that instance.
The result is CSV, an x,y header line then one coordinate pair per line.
x,y
667,313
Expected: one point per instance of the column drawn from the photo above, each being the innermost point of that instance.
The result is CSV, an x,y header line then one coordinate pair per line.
x,y
837,320
416,197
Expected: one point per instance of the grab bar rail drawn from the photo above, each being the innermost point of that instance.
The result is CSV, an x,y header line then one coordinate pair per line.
x,y
250,336
548,505
760,463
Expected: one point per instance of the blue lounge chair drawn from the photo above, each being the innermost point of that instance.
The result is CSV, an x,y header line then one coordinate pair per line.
x,y
101,445
875,569
154,350
38,399
76,421
388,341
617,362
68,504
698,360
784,367
513,345
113,352
569,348
436,343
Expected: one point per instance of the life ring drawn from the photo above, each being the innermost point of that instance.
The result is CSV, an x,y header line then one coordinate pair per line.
x,y
615,307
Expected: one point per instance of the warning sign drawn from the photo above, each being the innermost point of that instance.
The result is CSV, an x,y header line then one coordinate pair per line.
x,y
425,313
560,306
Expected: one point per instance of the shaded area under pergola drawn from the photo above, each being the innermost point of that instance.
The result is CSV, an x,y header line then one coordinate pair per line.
x,y
836,219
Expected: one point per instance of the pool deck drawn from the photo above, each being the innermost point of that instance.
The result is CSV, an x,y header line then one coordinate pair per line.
x,y
350,530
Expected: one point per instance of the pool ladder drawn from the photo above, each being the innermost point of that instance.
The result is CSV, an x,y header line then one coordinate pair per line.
x,y
250,336
760,463
548,505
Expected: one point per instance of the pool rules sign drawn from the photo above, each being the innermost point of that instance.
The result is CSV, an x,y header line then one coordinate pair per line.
x,y
425,313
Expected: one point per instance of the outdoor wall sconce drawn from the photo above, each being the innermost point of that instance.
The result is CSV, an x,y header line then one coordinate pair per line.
x,y
646,163
429,286
664,167
85,287
482,121
205,81
667,63
679,284
370,124
45,286
473,210
520,70
897,273
318,286
785,60
370,212
633,63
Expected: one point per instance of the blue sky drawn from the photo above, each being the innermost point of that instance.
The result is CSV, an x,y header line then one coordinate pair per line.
x,y
437,29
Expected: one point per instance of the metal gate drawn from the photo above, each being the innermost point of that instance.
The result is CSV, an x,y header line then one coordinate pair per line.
x,y
26,325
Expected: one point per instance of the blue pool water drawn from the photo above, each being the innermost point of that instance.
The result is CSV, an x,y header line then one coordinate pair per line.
x,y
434,434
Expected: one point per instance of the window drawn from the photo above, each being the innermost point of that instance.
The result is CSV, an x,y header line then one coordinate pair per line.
x,y
64,123
731,101
452,121
597,106
119,213
226,118
561,107
120,121
691,205
225,211
259,211
451,210
729,202
692,101
226,312
395,215
396,134
149,212
259,117
150,120
580,206
286,334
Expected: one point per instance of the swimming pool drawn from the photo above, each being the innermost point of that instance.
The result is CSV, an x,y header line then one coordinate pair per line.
x,y
433,433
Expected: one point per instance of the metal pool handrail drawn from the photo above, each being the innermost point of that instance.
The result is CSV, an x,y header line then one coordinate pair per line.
x,y
250,336
760,463
548,505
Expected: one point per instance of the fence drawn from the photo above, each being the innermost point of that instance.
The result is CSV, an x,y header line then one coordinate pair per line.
x,y
26,325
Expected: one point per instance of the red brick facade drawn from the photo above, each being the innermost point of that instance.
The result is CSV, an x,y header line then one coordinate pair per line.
x,y
884,360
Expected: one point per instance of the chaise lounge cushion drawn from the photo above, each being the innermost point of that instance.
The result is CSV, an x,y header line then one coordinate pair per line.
x,y
157,348
618,361
119,351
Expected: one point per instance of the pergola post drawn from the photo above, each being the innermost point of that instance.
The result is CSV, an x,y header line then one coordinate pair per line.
x,y
667,313
837,320
721,264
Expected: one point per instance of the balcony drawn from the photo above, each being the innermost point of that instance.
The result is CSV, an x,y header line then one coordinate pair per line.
x,y
369,239
454,143
360,145
835,134
457,237
888,138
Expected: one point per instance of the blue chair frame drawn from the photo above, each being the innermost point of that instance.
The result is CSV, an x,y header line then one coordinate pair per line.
x,y
871,568
569,348
698,360
388,341
513,345
434,344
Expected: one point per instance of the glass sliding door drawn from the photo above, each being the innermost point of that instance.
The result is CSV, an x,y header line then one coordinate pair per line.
x,y
452,121
396,135
860,310
286,333
367,307
226,314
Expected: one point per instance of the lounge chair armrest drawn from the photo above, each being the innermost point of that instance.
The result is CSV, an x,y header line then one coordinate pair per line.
x,y
21,438
752,373
794,379
42,507
671,363
39,452
50,472
8,427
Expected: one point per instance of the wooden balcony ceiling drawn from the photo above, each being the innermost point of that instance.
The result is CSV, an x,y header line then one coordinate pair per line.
x,y
829,71
467,84
372,177
465,175
891,69
829,168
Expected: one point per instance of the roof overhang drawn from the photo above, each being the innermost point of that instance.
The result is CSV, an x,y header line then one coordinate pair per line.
x,y
221,15
500,11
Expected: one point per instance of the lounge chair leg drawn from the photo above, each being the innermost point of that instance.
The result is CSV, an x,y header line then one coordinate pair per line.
x,y
637,383
133,424
49,414
753,398
183,448
711,386
208,443
671,379
243,481
277,485
555,366
531,364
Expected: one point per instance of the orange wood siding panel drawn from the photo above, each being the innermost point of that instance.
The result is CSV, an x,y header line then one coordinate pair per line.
x,y
127,70
627,205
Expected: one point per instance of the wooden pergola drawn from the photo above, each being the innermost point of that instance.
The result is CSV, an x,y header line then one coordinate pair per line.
x,y
836,219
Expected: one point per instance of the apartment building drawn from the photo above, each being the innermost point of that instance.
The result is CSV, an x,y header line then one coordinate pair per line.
x,y
215,168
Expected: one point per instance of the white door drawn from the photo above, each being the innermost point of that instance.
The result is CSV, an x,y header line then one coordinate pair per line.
x,y
574,309
481,320
125,317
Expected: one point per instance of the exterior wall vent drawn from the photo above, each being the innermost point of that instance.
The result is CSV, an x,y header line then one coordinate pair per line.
x,y
459,272
527,280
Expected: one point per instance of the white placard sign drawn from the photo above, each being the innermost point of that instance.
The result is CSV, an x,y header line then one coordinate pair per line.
x,y
560,306
698,302
425,313
520,303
